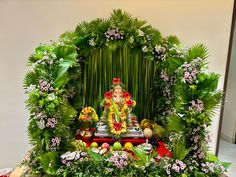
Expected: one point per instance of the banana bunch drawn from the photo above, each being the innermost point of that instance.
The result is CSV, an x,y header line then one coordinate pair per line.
x,y
79,145
158,131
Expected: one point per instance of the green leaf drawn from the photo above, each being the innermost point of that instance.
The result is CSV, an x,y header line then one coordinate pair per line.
x,y
143,158
226,165
175,123
208,82
95,156
211,158
68,54
199,174
50,162
179,149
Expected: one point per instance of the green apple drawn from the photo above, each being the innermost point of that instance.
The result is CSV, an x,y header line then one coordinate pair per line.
x,y
117,146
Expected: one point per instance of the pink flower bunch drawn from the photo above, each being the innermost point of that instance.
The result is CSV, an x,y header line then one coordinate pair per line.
x,y
114,34
210,168
45,86
176,167
120,161
56,141
164,75
196,105
191,70
51,122
199,154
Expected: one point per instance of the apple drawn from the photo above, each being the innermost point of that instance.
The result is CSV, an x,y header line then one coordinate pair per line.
x,y
105,145
117,146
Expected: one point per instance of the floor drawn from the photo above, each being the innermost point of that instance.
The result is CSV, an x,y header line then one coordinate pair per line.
x,y
227,153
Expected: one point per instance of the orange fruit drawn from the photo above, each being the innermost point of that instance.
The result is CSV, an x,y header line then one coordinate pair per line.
x,y
128,146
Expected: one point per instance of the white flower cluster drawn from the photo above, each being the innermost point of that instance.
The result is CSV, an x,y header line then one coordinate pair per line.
x,y
160,52
92,42
69,157
48,58
178,51
30,88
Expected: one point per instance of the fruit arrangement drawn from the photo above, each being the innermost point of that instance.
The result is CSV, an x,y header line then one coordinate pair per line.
x,y
79,145
151,128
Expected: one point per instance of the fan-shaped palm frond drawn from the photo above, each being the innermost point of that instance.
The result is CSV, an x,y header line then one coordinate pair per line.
x,y
175,123
30,78
180,151
198,50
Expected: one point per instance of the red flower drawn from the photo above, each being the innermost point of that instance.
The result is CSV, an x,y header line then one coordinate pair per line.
x,y
108,104
126,95
129,103
116,81
117,126
162,150
108,95
93,129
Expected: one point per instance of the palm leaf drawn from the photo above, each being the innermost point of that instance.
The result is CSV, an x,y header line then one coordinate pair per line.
x,y
179,149
30,78
198,50
143,159
175,123
208,82
213,102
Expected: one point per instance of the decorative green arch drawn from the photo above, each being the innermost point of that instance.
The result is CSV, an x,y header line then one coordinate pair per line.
x,y
168,81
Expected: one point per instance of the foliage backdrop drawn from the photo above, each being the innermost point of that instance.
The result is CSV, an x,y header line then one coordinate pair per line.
x,y
169,81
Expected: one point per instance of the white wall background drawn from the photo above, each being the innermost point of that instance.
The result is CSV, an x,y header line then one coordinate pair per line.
x,y
26,23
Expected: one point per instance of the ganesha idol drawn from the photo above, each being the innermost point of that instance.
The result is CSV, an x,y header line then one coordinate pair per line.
x,y
117,119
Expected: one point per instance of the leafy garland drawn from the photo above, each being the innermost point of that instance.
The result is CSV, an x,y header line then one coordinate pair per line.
x,y
183,96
